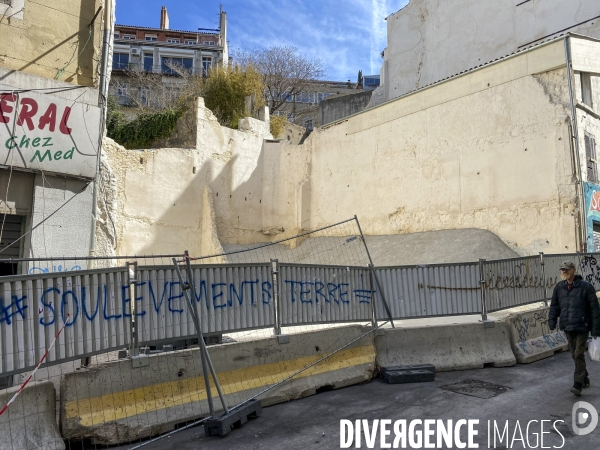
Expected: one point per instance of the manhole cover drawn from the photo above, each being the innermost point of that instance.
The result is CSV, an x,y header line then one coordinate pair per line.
x,y
476,388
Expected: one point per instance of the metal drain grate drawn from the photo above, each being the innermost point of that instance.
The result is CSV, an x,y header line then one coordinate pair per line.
x,y
476,388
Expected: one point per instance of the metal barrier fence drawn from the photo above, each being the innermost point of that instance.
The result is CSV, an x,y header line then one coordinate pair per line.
x,y
430,291
324,294
103,307
33,308
231,298
512,282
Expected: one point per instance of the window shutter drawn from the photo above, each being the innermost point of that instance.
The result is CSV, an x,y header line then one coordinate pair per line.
x,y
590,156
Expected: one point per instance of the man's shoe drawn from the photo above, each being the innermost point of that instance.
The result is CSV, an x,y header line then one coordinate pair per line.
x,y
586,383
576,389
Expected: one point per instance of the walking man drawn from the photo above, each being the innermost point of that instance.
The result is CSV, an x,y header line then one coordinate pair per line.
x,y
574,302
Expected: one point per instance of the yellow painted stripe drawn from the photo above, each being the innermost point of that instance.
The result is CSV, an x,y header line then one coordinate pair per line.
x,y
119,405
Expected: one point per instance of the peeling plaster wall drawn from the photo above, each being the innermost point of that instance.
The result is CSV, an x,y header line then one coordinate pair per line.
x,y
52,39
428,41
173,199
488,150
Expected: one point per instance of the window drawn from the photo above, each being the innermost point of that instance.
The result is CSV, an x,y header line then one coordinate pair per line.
x,y
145,95
371,81
169,64
586,89
206,64
287,97
209,43
148,62
120,61
151,37
190,42
308,123
121,90
590,156
173,40
117,35
131,37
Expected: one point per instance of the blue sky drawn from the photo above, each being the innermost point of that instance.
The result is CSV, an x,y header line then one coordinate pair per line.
x,y
347,35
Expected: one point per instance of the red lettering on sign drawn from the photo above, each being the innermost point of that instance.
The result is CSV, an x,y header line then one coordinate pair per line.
x,y
595,203
5,107
49,118
29,108
63,122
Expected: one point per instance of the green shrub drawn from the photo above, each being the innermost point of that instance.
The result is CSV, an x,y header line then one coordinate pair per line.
x,y
142,131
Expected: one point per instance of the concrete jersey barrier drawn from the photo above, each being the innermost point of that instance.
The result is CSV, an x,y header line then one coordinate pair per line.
x,y
30,421
531,338
117,403
447,347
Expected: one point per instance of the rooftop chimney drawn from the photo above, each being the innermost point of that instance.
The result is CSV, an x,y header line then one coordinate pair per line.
x,y
164,18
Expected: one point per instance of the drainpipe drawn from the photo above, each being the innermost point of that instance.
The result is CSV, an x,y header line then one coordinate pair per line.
x,y
581,194
108,7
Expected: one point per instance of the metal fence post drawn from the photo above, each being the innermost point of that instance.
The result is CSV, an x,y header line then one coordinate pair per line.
x,y
544,278
482,288
373,309
276,298
132,280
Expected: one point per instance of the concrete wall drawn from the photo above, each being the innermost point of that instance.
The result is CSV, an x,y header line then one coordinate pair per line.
x,y
170,200
53,40
428,41
486,150
337,108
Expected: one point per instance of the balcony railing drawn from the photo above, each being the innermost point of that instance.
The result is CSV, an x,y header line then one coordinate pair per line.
x,y
162,69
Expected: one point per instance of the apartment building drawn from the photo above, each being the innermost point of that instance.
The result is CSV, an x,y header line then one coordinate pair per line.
x,y
165,54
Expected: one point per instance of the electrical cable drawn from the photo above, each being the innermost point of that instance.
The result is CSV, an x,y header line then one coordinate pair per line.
x,y
62,70
54,89
9,179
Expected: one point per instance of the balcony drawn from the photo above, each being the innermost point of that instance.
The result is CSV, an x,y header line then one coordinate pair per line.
x,y
162,69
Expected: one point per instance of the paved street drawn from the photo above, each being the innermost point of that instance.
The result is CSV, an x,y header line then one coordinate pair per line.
x,y
539,391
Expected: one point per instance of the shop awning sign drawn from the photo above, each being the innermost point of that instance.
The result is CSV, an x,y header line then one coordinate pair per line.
x,y
41,132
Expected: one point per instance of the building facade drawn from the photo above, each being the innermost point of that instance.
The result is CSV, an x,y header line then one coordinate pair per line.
x,y
303,109
49,129
430,40
153,59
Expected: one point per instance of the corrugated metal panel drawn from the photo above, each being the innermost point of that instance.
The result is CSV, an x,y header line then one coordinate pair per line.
x,y
588,266
326,294
33,308
513,282
229,297
426,291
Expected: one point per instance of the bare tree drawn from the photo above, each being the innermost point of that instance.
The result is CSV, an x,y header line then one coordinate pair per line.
x,y
148,91
285,71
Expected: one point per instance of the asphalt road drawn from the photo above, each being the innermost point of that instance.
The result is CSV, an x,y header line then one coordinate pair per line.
x,y
538,391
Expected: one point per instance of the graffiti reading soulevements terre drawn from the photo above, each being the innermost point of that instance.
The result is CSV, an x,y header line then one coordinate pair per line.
x,y
80,303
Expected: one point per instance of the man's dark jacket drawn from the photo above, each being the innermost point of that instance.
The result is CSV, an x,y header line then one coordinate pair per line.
x,y
577,307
